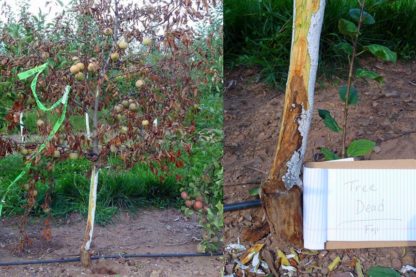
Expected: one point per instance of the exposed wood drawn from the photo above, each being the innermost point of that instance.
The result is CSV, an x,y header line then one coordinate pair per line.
x,y
253,234
89,229
281,193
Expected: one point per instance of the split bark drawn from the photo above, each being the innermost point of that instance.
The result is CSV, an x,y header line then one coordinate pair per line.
x,y
89,229
92,201
281,193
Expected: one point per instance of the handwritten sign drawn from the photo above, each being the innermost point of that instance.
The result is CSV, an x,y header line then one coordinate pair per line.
x,y
360,201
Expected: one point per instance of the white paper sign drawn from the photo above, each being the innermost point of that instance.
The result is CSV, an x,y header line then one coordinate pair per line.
x,y
354,204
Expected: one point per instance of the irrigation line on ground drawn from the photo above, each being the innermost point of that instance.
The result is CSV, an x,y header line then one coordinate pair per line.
x,y
227,208
242,205
114,256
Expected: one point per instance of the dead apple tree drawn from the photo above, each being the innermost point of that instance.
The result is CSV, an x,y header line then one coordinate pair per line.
x,y
129,65
281,193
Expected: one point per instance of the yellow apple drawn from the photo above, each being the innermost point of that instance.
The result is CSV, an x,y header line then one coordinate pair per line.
x,y
74,69
108,31
139,83
147,41
114,56
145,123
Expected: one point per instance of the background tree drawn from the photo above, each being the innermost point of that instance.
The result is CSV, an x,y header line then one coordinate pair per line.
x,y
130,69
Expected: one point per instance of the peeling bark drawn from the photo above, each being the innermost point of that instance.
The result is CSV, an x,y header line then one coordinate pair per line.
x,y
89,229
281,193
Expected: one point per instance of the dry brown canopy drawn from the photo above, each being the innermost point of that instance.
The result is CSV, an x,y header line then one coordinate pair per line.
x,y
78,36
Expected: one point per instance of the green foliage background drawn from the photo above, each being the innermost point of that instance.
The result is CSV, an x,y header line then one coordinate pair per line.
x,y
258,33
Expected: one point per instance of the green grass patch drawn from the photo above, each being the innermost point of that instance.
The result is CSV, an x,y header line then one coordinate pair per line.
x,y
131,189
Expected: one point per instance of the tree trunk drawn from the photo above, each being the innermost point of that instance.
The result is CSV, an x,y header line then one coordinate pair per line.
x,y
281,193
86,245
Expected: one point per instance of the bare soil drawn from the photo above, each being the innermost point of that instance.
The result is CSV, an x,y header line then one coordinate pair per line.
x,y
147,231
385,114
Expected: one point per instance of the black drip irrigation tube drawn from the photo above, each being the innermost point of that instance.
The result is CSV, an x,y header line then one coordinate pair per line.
x,y
114,256
242,205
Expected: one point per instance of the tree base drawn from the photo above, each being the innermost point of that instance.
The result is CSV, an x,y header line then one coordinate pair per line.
x,y
85,258
283,210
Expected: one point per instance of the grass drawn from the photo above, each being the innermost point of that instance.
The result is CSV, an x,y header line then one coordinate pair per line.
x,y
258,33
132,189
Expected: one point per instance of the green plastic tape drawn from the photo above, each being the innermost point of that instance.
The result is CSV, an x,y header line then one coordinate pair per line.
x,y
63,100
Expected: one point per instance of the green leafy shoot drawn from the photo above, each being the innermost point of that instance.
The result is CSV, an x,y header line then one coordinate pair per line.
x,y
329,121
382,52
368,74
329,155
353,96
347,27
344,47
360,147
368,19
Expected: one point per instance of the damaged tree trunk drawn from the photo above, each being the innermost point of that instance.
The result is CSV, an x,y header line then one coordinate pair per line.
x,y
281,193
89,229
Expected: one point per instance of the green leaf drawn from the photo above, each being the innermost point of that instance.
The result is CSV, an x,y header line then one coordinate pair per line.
x,y
353,96
378,271
329,121
328,154
347,27
360,147
364,73
382,52
254,191
368,19
344,47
